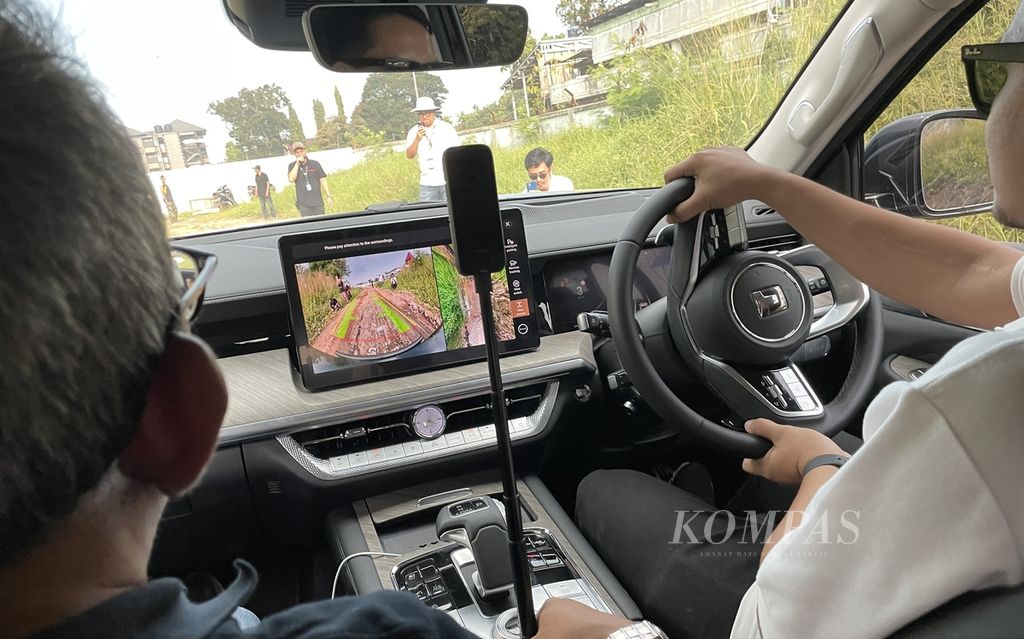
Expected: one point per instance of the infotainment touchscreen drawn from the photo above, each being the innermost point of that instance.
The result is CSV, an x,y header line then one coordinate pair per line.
x,y
377,301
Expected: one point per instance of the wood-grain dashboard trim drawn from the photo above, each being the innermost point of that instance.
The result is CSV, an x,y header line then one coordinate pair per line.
x,y
264,399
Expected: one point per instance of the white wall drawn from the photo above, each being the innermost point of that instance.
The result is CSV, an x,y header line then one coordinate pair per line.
x,y
198,182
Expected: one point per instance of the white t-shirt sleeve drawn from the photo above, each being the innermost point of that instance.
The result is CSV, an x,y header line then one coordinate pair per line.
x,y
1017,286
906,525
451,136
410,137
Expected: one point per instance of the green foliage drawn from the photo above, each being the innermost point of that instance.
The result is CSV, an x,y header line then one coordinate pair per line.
x,y
384,111
396,320
418,279
346,318
295,131
339,106
255,120
495,34
448,284
316,288
319,116
334,268
577,13
332,135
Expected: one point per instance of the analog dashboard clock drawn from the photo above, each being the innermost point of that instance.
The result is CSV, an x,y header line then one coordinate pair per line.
x,y
429,421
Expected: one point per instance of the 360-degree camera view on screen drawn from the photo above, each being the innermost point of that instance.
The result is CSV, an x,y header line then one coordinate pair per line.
x,y
394,305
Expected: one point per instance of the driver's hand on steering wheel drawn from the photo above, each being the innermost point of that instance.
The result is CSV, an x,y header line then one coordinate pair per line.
x,y
723,176
792,447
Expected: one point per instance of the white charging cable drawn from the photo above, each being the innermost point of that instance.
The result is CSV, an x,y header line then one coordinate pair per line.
x,y
344,561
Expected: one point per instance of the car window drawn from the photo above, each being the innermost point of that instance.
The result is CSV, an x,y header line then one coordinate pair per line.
x,y
954,156
611,91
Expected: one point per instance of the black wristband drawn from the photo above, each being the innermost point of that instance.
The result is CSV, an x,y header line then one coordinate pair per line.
x,y
824,460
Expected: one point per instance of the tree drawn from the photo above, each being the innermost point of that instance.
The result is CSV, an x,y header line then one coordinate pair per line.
x,y
384,111
319,117
334,268
338,104
576,13
295,126
255,120
332,135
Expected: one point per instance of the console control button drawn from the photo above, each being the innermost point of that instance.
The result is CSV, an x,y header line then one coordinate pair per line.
x,y
429,572
564,589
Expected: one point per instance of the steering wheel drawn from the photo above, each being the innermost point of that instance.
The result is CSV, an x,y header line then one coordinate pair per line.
x,y
736,328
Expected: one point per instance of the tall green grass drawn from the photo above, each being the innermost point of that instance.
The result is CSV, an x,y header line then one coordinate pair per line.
x,y
448,283
418,278
316,289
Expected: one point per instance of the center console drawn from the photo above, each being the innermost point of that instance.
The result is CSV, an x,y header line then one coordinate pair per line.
x,y
452,552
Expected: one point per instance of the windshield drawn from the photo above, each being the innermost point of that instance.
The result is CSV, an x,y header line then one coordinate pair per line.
x,y
606,95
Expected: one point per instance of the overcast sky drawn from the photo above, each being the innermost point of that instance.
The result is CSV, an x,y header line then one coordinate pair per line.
x,y
159,61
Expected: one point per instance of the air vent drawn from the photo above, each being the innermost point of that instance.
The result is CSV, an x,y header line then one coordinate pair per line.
x,y
776,243
392,429
760,211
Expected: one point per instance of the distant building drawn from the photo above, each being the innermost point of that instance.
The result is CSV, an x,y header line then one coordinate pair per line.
x,y
171,146
741,25
562,67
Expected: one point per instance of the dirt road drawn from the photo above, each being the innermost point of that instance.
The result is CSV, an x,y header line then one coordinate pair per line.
x,y
378,323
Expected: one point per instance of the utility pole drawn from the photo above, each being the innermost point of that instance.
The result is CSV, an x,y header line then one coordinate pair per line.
x,y
526,96
415,88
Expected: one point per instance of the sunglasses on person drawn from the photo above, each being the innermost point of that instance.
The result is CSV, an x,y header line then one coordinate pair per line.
x,y
986,70
542,175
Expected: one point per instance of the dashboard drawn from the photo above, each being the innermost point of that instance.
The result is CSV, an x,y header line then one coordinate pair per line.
x,y
287,454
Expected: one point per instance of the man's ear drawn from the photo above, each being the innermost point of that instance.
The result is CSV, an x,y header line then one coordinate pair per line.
x,y
185,405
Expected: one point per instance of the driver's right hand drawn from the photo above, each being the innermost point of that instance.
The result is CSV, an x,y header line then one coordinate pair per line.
x,y
723,177
567,619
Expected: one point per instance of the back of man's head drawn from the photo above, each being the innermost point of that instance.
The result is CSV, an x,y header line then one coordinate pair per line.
x,y
87,288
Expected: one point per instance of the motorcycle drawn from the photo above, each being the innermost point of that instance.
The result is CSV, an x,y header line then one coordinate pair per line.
x,y
224,198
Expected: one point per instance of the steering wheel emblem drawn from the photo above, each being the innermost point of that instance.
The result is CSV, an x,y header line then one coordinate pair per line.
x,y
770,301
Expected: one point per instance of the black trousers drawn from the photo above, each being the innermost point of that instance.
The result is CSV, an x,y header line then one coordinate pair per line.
x,y
685,562
309,211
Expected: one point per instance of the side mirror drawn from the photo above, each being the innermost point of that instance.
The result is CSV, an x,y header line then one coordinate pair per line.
x,y
415,37
930,165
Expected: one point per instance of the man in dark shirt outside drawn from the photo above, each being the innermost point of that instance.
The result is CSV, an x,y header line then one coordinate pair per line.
x,y
263,194
97,437
165,191
309,178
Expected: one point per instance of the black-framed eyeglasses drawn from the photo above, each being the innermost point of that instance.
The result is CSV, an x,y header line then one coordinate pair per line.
x,y
542,175
195,268
986,70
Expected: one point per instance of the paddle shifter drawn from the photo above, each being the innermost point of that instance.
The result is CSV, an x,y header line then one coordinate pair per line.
x,y
480,251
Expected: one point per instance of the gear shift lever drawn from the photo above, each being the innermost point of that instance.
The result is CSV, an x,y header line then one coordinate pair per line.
x,y
478,523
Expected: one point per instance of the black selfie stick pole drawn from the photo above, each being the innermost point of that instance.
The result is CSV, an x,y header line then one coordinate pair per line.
x,y
480,249
522,583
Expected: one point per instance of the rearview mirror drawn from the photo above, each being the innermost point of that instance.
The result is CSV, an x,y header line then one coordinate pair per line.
x,y
930,165
414,37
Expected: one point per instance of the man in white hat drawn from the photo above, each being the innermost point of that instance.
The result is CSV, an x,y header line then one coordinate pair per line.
x,y
427,142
